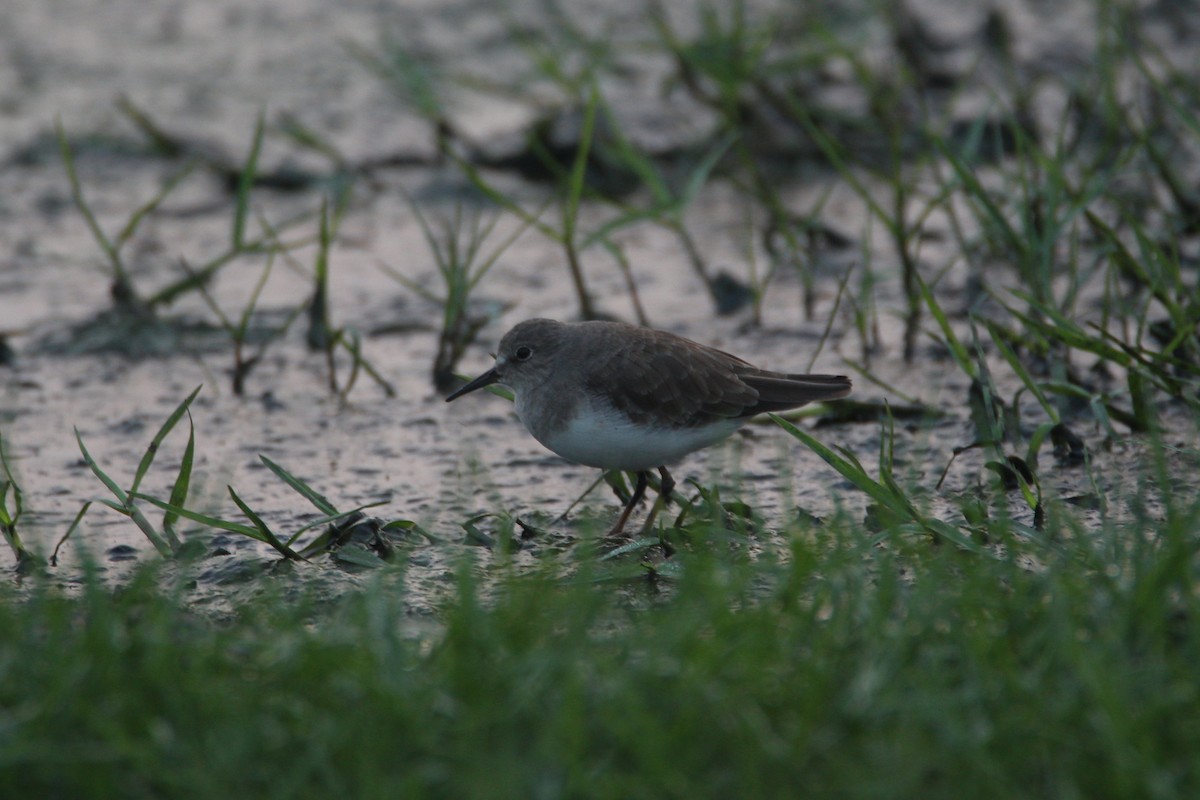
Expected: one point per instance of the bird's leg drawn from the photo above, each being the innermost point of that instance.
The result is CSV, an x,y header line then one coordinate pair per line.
x,y
666,486
639,491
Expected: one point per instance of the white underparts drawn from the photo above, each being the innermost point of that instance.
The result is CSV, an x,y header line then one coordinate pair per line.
x,y
598,435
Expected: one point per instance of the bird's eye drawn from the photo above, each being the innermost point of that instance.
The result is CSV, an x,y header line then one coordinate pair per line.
x,y
522,353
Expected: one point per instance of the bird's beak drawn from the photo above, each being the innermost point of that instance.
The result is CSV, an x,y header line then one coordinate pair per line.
x,y
486,379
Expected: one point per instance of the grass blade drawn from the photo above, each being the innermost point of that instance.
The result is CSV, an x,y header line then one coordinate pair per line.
x,y
204,519
577,179
1018,367
10,517
957,348
135,220
245,183
74,524
166,428
98,234
125,505
268,535
179,491
311,495
99,473
850,469
134,512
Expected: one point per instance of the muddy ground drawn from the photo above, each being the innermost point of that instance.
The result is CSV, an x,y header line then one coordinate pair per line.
x,y
204,72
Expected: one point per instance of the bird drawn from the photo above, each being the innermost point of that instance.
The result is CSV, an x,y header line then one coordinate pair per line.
x,y
625,397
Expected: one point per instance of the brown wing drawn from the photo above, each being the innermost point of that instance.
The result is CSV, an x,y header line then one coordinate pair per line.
x,y
689,384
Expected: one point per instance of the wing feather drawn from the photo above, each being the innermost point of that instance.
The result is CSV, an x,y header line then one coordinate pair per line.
x,y
658,375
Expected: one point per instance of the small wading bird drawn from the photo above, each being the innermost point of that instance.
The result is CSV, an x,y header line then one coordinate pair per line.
x,y
617,396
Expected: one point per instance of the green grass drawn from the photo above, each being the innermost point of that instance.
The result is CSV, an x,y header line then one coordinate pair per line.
x,y
839,668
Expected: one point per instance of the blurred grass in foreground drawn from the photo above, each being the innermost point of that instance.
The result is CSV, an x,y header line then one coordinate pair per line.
x,y
834,667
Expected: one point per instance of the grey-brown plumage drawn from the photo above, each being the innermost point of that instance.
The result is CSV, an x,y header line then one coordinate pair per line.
x,y
668,379
618,396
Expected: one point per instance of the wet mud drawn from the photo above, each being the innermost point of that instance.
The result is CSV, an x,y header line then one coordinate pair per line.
x,y
206,72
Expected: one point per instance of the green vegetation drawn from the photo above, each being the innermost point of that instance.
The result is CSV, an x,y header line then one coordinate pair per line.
x,y
835,668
